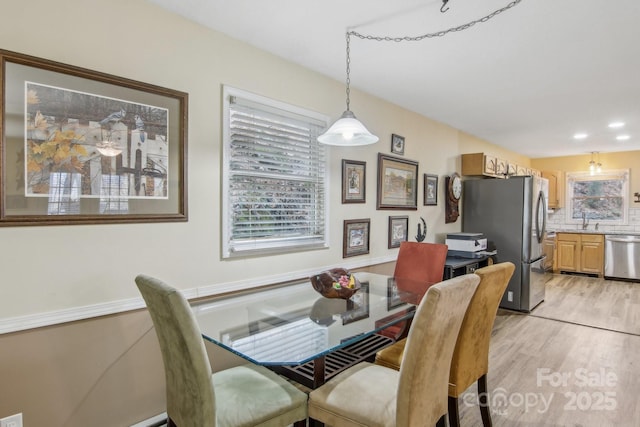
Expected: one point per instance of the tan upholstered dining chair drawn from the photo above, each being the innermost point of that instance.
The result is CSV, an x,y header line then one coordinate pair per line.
x,y
247,395
470,361
374,396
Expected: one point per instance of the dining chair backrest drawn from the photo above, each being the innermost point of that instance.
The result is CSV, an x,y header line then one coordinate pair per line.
x,y
424,373
471,354
190,392
421,261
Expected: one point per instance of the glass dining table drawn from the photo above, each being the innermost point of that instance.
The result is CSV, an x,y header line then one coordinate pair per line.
x,y
305,336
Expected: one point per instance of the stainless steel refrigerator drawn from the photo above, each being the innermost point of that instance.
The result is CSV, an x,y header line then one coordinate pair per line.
x,y
512,215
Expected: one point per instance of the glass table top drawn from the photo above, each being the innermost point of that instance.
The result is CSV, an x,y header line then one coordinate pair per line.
x,y
294,324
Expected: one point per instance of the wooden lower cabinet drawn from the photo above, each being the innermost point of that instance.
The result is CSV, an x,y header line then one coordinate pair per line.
x,y
580,253
549,249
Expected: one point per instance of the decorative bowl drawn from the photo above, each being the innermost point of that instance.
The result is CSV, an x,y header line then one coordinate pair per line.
x,y
335,283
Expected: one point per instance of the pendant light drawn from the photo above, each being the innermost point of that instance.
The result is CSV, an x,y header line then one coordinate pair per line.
x,y
595,167
347,131
592,165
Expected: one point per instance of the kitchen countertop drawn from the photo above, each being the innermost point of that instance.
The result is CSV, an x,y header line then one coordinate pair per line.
x,y
587,231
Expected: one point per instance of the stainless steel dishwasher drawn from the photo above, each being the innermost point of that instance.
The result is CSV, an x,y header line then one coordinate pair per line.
x,y
622,257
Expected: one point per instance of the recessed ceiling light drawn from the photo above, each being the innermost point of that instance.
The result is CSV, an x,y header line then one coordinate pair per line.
x,y
622,137
616,125
580,136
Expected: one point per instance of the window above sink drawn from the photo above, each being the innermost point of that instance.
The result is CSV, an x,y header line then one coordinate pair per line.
x,y
601,198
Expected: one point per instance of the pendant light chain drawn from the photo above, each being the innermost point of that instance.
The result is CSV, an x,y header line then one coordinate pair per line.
x,y
348,68
430,35
348,130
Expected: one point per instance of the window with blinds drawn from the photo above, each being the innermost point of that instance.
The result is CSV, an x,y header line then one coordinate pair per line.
x,y
274,176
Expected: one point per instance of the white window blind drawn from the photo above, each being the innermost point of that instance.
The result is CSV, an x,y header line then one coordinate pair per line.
x,y
274,176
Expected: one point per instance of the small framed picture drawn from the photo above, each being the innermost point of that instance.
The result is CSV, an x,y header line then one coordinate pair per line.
x,y
355,239
398,226
354,175
430,190
397,144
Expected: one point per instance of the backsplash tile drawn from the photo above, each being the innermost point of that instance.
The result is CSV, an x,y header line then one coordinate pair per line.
x,y
556,221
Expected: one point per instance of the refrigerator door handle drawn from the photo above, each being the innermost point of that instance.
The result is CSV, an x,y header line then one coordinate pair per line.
x,y
541,228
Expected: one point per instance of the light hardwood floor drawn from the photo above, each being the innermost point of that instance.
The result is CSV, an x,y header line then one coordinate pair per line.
x,y
573,361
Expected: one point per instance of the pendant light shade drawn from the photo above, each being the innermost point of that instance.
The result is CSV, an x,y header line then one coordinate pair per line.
x,y
347,131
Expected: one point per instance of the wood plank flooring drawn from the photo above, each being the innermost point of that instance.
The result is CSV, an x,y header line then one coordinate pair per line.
x,y
574,361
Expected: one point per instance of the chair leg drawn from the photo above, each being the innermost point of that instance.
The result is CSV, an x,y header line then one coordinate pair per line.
x,y
485,411
454,414
441,421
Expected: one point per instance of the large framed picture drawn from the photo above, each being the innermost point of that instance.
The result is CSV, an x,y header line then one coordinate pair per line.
x,y
397,183
354,175
355,237
81,147
398,230
430,190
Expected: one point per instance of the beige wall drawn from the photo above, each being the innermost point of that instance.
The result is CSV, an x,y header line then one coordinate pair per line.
x,y
106,371
618,160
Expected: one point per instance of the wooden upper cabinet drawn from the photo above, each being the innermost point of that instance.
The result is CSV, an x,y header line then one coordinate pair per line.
x,y
481,164
556,188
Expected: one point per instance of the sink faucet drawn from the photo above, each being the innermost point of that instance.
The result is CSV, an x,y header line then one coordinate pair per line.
x,y
597,223
585,221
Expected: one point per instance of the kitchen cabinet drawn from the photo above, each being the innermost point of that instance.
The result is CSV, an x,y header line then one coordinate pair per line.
x,y
549,249
479,164
556,188
580,253
482,164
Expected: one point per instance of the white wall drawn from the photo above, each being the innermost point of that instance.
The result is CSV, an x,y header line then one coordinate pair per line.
x,y
56,273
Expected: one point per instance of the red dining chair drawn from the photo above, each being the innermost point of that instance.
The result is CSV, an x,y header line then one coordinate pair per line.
x,y
418,262
421,261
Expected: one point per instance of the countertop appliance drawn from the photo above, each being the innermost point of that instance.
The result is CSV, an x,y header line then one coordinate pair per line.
x,y
622,257
468,242
512,215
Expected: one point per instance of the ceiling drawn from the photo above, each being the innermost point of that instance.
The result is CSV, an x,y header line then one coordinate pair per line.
x,y
527,79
